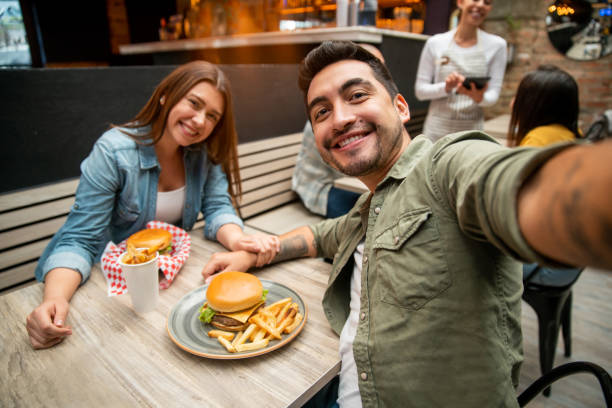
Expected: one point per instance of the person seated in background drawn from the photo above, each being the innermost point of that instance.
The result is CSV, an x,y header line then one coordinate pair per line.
x,y
176,158
313,179
544,111
424,291
545,108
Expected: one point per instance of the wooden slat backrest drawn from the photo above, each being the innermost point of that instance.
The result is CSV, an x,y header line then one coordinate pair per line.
x,y
35,213
25,198
30,233
28,220
17,275
266,168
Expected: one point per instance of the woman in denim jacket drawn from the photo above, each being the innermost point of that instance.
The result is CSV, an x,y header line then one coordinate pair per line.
x,y
177,157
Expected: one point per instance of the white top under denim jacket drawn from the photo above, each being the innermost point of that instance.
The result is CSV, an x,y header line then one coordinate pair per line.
x,y
117,196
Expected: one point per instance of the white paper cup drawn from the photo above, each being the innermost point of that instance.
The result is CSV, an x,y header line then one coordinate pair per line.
x,y
142,283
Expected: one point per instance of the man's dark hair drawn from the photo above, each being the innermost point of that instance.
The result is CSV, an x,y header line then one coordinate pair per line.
x,y
330,52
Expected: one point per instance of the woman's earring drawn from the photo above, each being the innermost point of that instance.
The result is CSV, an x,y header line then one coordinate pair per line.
x,y
162,100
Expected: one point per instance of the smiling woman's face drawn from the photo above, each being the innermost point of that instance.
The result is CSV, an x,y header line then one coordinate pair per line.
x,y
474,12
195,116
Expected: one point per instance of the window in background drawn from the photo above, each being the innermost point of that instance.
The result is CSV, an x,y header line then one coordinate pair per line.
x,y
14,47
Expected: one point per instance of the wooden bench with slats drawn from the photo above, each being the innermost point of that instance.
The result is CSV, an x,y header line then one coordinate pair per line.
x,y
29,218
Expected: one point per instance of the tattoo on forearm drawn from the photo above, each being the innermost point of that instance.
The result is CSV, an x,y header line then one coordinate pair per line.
x,y
587,228
290,248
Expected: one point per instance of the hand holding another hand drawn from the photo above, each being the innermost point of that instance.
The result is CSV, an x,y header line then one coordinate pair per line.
x,y
228,261
265,246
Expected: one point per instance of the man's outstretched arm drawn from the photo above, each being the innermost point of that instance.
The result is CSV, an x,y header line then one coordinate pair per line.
x,y
298,243
565,208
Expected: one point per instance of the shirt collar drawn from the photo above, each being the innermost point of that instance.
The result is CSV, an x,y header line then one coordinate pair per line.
x,y
408,159
147,156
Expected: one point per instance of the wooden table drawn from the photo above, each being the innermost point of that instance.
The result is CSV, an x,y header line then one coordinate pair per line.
x,y
118,358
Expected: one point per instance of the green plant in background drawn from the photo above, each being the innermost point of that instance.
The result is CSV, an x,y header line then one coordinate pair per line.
x,y
513,24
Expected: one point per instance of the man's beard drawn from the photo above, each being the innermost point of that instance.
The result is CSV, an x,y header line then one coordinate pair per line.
x,y
360,165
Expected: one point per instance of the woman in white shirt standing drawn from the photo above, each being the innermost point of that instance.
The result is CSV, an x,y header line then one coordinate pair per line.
x,y
447,59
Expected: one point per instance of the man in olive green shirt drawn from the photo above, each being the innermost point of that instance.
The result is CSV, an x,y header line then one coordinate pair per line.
x,y
424,291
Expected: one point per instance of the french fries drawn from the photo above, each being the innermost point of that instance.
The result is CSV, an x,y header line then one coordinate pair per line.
x,y
237,339
269,323
137,256
296,321
221,333
252,346
264,325
228,346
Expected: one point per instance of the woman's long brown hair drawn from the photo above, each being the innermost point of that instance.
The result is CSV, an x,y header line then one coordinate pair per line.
x,y
221,145
545,96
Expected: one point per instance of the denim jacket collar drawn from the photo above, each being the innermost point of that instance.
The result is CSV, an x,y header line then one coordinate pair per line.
x,y
147,156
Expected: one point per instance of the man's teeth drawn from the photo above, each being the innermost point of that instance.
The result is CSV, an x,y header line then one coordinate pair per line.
x,y
349,140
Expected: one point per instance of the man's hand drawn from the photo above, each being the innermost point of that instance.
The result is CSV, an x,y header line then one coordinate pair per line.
x,y
228,261
45,324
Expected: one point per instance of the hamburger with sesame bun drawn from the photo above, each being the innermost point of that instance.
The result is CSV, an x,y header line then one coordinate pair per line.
x,y
231,299
154,239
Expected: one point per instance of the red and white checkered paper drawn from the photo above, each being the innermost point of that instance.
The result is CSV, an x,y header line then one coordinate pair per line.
x,y
170,265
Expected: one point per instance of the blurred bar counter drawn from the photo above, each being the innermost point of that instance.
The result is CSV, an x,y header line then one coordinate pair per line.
x,y
401,50
179,51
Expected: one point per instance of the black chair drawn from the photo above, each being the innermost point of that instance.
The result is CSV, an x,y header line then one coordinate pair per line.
x,y
601,128
549,292
564,370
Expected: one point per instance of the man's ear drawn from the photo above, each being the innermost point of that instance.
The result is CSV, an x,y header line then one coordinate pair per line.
x,y
401,106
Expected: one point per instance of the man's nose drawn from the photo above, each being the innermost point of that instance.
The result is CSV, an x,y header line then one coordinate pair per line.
x,y
342,117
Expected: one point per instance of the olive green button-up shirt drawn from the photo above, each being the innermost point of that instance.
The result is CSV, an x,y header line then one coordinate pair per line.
x,y
441,295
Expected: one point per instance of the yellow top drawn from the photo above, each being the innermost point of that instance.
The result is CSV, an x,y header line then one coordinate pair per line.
x,y
545,135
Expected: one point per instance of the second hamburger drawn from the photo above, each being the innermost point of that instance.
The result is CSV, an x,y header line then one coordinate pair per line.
x,y
154,239
232,298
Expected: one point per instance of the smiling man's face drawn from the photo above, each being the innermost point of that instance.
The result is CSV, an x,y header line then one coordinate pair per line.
x,y
358,128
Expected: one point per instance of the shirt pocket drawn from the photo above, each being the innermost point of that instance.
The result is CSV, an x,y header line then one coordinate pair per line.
x,y
410,262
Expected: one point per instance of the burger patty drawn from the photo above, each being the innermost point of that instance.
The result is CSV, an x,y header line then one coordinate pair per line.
x,y
229,321
226,321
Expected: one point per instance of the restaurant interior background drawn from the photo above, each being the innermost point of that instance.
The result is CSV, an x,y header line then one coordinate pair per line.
x,y
75,33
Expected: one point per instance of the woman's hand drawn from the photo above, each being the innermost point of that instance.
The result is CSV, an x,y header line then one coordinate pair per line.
x,y
453,81
476,94
265,246
45,324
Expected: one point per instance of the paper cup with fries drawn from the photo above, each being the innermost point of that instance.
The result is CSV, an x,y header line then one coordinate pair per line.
x,y
140,269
